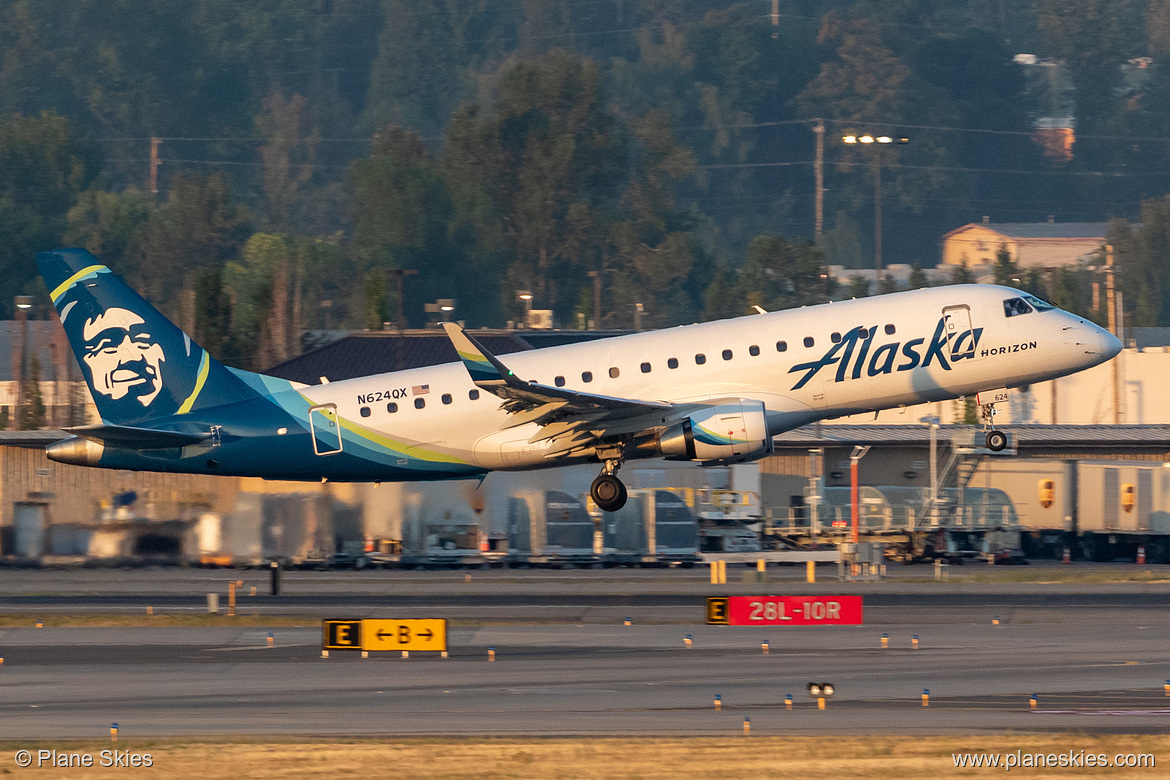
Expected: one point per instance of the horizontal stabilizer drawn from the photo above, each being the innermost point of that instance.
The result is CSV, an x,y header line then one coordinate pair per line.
x,y
136,438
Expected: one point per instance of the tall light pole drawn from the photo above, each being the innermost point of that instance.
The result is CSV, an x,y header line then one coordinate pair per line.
x,y
819,173
526,296
878,141
23,304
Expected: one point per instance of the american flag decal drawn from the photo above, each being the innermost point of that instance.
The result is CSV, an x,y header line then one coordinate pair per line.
x,y
420,389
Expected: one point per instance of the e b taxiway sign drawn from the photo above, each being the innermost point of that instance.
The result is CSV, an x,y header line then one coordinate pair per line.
x,y
385,634
422,635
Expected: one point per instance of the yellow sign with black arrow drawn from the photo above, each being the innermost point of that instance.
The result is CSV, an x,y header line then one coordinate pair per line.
x,y
381,635
421,635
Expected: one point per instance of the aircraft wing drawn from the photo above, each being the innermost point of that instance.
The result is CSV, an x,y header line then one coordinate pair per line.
x,y
571,419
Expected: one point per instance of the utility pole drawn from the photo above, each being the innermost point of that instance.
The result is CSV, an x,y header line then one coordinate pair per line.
x,y
775,19
154,142
877,219
819,170
1111,304
596,277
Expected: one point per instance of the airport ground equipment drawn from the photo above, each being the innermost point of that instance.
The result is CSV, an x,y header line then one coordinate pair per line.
x,y
654,527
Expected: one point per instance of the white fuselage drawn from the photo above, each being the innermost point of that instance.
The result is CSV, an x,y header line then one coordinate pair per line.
x,y
917,346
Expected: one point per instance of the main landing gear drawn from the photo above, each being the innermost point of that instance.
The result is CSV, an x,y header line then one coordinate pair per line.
x,y
608,491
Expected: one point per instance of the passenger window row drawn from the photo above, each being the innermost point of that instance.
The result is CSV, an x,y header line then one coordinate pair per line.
x,y
645,367
420,403
727,354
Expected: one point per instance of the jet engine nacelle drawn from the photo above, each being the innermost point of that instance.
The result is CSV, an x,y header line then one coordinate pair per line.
x,y
729,431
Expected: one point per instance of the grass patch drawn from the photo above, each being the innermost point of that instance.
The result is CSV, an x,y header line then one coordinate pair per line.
x,y
912,758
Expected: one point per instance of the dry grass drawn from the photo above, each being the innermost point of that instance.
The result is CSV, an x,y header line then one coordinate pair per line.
x,y
596,757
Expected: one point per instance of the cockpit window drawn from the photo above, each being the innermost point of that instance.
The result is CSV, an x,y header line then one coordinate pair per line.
x,y
1038,304
1015,306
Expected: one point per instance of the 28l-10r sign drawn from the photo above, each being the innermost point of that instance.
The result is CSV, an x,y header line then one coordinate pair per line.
x,y
785,610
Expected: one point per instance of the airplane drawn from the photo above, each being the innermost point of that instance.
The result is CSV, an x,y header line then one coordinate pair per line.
x,y
711,393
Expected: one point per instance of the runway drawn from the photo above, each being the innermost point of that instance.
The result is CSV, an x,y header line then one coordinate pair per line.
x,y
548,596
1097,662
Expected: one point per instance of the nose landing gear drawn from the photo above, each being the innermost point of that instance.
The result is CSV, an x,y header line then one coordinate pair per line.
x,y
608,491
996,439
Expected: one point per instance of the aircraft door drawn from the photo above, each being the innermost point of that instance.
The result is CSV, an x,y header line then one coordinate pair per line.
x,y
962,337
326,429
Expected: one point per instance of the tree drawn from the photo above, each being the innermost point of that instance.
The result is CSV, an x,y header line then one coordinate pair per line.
x,y
778,274
841,245
721,297
1006,271
267,281
858,287
652,247
402,219
111,225
31,416
961,274
289,154
1087,36
199,227
918,278
42,170
540,174
213,316
416,80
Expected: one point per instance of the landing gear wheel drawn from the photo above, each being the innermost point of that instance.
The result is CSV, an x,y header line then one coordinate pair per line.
x,y
996,440
608,492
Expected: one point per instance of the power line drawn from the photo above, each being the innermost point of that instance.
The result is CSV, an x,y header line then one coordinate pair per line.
x,y
951,169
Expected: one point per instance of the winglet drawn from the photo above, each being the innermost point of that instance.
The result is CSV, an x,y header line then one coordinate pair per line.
x,y
485,369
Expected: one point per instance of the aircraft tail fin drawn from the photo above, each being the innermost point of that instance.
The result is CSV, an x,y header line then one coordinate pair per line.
x,y
139,366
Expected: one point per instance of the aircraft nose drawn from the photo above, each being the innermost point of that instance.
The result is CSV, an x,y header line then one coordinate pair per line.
x,y
1110,344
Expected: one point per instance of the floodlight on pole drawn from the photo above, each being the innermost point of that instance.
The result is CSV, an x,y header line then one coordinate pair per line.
x,y
526,296
880,141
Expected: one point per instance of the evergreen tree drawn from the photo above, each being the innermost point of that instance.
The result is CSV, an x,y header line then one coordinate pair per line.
x,y
31,416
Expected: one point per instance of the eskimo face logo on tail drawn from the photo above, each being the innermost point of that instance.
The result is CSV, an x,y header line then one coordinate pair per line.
x,y
123,358
855,354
